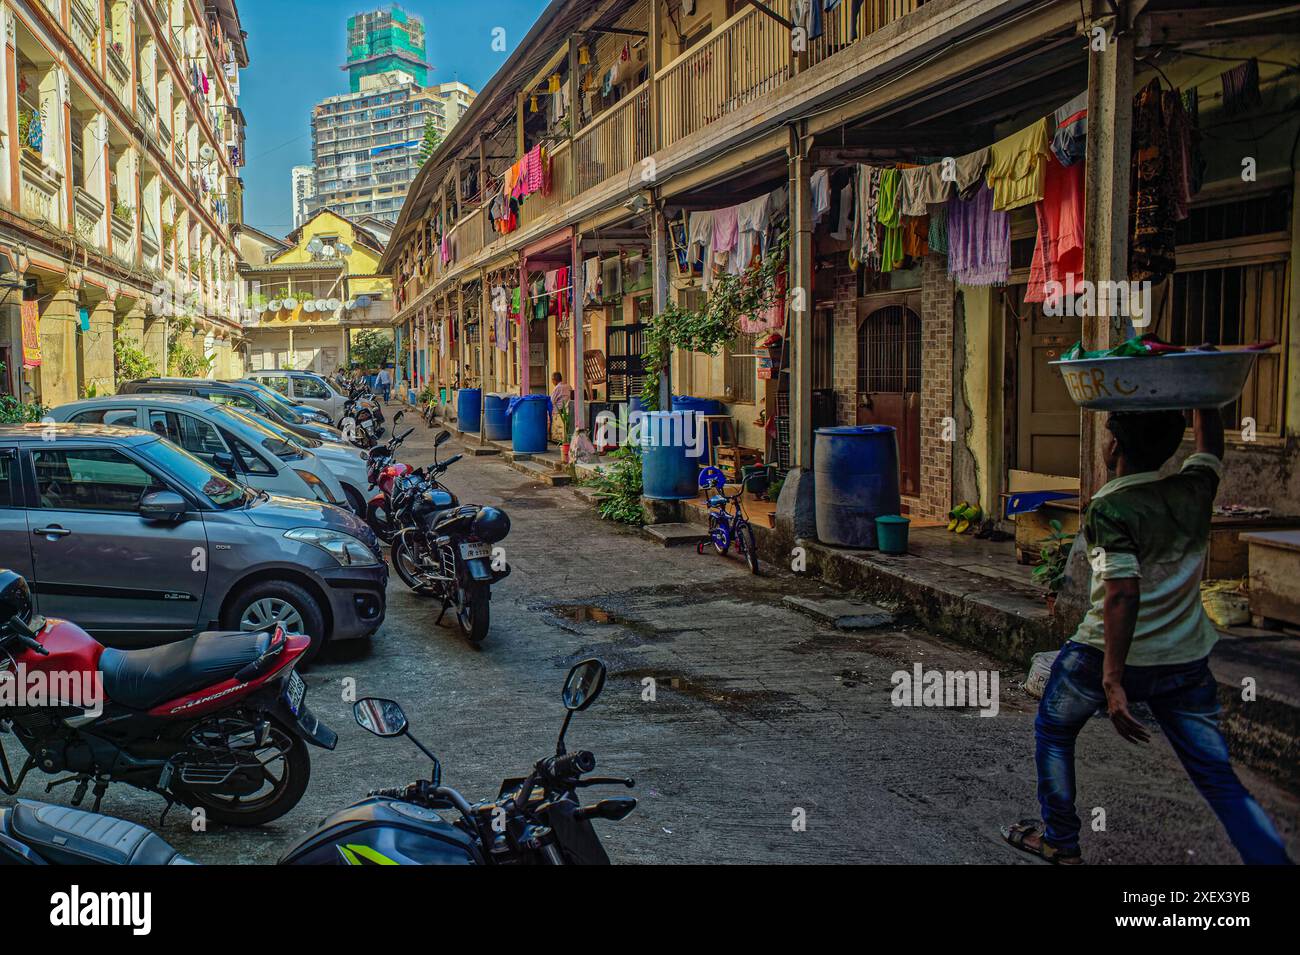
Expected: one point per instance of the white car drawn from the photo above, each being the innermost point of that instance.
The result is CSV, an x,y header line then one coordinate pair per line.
x,y
233,443
346,462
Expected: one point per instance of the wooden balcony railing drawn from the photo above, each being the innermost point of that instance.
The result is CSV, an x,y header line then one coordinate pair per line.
x,y
538,206
747,57
841,28
614,142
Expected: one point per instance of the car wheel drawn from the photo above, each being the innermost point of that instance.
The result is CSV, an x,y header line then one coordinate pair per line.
x,y
356,502
278,601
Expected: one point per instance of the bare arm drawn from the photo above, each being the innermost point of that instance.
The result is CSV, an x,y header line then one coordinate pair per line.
x,y
1207,424
1119,615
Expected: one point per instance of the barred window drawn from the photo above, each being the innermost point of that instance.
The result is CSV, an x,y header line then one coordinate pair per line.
x,y
741,369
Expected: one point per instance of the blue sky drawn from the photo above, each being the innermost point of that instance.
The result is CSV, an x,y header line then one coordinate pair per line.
x,y
295,49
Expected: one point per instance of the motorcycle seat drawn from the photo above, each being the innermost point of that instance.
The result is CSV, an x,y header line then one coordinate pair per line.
x,y
68,836
141,679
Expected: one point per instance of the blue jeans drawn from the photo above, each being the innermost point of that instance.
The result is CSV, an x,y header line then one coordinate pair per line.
x,y
1182,699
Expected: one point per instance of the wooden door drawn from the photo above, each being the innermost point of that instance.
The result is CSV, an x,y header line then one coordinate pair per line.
x,y
889,379
1047,421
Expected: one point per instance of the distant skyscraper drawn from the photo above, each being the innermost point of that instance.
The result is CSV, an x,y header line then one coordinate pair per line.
x,y
366,143
304,188
383,41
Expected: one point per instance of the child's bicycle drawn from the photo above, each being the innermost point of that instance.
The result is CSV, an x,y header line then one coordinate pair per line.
x,y
727,521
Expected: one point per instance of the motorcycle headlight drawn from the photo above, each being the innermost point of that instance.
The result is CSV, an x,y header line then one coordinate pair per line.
x,y
318,487
349,551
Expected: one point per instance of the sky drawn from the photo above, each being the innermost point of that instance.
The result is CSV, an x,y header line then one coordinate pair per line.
x,y
295,51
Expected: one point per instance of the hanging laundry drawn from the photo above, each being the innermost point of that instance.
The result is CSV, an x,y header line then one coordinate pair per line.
x,y
844,222
820,185
534,161
1016,166
753,219
1058,250
979,241
1153,206
772,319
1195,158
1178,133
937,238
591,279
1241,88
1070,138
923,186
969,171
864,247
891,243
916,233
699,232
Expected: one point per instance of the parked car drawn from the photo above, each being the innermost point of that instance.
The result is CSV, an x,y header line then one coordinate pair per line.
x,y
143,543
238,445
312,414
243,395
304,388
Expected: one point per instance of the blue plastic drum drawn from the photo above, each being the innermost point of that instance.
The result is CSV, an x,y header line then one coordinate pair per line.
x,y
469,407
670,457
855,471
528,423
496,425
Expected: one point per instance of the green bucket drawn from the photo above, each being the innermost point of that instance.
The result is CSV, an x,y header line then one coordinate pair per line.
x,y
891,533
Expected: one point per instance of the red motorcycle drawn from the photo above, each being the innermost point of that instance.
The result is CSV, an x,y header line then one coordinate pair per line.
x,y
215,722
383,471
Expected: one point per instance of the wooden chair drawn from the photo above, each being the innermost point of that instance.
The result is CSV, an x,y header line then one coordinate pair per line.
x,y
593,371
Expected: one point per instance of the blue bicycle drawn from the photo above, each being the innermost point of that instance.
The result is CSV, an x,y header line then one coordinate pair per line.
x,y
727,521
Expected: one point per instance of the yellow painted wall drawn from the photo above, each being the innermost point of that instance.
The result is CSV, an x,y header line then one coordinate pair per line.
x,y
361,264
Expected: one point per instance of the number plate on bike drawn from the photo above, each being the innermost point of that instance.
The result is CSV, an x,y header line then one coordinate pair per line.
x,y
474,550
294,691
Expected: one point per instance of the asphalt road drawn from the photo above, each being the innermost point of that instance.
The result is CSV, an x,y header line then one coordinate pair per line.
x,y
760,717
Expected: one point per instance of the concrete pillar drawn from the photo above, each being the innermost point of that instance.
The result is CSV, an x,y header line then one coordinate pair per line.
x,y
800,285
1110,137
56,379
659,253
95,348
154,338
578,378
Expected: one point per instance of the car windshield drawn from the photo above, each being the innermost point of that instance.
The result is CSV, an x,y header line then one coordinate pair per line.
x,y
186,469
283,444
278,403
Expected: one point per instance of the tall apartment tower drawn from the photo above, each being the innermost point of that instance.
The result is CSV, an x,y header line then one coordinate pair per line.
x,y
383,41
366,142
303,180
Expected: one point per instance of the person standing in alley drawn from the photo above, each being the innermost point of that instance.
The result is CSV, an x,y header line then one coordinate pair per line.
x,y
1145,638
561,396
384,382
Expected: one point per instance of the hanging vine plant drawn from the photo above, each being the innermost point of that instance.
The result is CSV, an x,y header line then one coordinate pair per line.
x,y
709,328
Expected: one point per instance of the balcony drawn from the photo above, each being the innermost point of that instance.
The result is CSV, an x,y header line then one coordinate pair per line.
x,y
539,206
40,190
149,245
119,74
614,141
89,213
145,106
123,234
83,24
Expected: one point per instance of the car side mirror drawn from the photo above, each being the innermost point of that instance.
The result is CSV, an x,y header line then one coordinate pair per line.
x,y
381,717
224,461
163,506
442,438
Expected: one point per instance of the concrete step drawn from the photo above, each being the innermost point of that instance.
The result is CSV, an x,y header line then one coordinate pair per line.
x,y
676,535
840,613
540,472
481,450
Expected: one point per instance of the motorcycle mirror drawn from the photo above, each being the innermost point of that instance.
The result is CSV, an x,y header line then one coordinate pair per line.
x,y
442,438
381,717
398,417
583,685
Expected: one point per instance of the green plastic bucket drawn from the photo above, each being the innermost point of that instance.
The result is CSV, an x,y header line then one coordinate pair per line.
x,y
891,533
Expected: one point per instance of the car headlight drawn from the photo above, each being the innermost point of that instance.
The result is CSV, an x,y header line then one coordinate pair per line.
x,y
318,487
349,551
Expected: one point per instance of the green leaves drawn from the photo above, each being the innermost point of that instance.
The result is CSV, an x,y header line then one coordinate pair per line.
x,y
130,362
619,487
708,330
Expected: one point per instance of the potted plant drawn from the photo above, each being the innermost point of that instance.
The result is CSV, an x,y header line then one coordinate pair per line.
x,y
566,421
1053,555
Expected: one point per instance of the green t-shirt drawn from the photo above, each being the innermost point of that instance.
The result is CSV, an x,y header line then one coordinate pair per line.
x,y
1158,529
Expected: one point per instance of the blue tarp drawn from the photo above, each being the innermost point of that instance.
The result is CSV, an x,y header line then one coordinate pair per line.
x,y
516,399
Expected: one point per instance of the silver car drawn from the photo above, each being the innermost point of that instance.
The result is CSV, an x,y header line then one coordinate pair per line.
x,y
303,388
237,445
142,543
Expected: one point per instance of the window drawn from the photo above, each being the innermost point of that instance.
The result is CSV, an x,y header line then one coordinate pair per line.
x,y
310,388
250,461
823,349
193,434
121,417
90,479
741,369
7,473
279,382
238,401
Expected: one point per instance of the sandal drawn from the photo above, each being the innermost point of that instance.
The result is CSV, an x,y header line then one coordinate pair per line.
x,y
969,515
955,515
1015,837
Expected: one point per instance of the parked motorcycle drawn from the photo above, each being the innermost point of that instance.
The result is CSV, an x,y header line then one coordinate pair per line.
x,y
383,471
362,421
534,820
217,721
443,548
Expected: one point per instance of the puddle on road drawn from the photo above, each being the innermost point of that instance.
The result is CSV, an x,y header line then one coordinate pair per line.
x,y
756,703
585,613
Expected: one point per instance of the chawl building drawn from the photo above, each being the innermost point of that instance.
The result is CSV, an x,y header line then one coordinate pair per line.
x,y
121,143
934,168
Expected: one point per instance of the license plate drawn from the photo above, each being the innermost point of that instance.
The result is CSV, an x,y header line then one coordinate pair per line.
x,y
474,550
294,692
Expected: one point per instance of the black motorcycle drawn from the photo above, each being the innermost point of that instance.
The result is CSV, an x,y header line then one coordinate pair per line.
x,y
444,548
362,421
537,819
